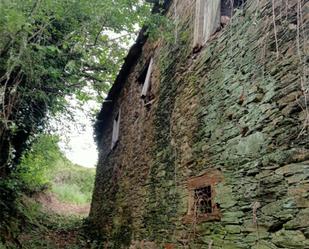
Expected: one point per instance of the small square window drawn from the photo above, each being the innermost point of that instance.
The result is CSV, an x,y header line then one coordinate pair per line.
x,y
202,204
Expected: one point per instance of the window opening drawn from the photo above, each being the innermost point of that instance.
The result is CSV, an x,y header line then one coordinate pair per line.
x,y
147,81
116,126
207,20
203,200
202,205
210,16
142,77
228,7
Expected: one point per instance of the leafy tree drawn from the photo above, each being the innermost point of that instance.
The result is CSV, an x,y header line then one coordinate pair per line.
x,y
53,48
36,165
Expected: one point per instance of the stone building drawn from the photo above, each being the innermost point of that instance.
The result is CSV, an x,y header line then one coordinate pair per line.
x,y
203,137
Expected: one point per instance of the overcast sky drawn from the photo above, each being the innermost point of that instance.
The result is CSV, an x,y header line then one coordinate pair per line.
x,y
76,132
80,147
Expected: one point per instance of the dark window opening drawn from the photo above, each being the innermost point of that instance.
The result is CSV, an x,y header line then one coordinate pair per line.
x,y
116,126
228,7
202,204
203,200
142,77
117,117
145,79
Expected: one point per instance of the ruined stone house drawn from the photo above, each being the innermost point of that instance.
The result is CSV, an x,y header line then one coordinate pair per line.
x,y
203,137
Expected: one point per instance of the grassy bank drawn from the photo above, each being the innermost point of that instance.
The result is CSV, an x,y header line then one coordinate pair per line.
x,y
72,183
45,201
46,230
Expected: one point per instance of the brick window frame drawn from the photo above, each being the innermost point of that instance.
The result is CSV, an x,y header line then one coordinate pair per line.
x,y
207,180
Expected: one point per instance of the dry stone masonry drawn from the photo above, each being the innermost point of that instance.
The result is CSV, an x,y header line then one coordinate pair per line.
x,y
217,154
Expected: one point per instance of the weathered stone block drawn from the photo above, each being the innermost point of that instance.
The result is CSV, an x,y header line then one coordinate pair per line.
x,y
232,217
290,239
264,245
300,221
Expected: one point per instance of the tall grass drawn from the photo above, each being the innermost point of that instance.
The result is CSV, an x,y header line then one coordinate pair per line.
x,y
70,193
72,183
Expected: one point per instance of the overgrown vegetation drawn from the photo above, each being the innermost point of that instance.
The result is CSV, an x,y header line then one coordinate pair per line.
x,y
72,183
47,230
50,49
36,167
44,167
43,170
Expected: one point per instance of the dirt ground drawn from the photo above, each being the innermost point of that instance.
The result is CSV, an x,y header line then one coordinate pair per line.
x,y
50,203
59,225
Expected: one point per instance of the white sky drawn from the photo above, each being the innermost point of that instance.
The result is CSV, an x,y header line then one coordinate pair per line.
x,y
80,147
76,132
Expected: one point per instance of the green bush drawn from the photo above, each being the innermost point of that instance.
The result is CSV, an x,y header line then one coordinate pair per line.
x,y
36,164
45,167
70,193
75,175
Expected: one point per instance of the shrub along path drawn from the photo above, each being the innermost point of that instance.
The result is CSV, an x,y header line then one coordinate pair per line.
x,y
54,224
54,216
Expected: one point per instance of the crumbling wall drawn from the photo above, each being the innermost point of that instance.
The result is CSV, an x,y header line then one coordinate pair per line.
x,y
237,108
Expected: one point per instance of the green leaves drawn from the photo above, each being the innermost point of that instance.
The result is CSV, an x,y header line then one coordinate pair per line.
x,y
14,20
50,49
38,161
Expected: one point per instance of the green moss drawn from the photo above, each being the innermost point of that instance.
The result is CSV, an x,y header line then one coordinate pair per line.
x,y
163,199
122,233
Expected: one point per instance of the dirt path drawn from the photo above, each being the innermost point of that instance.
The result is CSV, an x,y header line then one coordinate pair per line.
x,y
58,225
50,203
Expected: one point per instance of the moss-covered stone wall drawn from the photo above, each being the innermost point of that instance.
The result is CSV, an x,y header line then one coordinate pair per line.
x,y
237,108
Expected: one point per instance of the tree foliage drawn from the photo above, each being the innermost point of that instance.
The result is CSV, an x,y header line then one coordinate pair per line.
x,y
44,167
36,165
53,48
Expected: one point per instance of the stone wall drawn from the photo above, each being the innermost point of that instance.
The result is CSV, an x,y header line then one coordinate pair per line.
x,y
233,115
